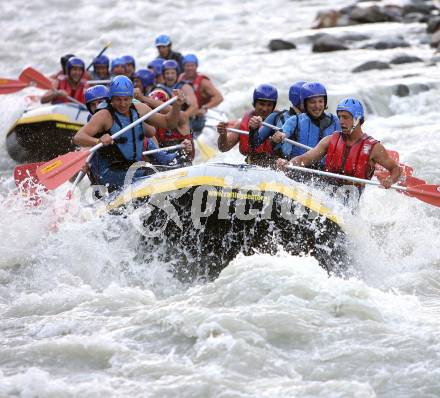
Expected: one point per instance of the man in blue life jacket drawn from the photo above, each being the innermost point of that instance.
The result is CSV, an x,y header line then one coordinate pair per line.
x,y
110,163
276,118
101,68
310,127
163,45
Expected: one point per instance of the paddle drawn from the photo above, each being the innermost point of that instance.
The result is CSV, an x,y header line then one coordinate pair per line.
x,y
57,171
426,193
33,77
98,81
8,86
286,139
102,52
167,148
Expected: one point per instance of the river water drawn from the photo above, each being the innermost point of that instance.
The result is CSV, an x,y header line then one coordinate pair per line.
x,y
82,317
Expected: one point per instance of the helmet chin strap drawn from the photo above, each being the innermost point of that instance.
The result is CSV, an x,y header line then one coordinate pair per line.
x,y
355,124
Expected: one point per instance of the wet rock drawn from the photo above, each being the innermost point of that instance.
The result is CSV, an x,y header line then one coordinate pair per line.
x,y
387,44
433,24
415,17
418,7
328,43
405,59
401,90
372,14
354,37
371,65
279,45
435,39
420,88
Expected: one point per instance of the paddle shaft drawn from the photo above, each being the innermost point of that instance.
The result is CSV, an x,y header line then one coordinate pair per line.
x,y
71,99
360,180
168,148
243,132
98,81
102,52
286,139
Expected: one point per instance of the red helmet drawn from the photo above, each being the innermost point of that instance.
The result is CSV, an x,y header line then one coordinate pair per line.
x,y
159,95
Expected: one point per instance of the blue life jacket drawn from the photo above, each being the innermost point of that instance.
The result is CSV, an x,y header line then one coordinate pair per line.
x,y
303,129
128,147
276,118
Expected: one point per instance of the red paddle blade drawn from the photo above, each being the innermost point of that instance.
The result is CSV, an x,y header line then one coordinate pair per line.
x,y
426,193
8,86
32,76
27,182
57,171
26,171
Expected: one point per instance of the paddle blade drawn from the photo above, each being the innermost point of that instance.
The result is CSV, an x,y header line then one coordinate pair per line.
x,y
32,76
426,193
25,177
56,172
8,86
25,171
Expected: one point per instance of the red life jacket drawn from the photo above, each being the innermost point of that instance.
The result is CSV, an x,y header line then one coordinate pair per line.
x,y
78,93
197,82
166,137
352,161
265,147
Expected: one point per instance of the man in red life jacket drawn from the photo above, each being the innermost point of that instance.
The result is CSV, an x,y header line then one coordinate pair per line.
x,y
349,152
72,85
206,93
63,71
264,100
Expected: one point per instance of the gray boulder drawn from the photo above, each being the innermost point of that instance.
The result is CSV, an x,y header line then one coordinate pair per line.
x,y
328,43
371,65
401,90
405,59
279,45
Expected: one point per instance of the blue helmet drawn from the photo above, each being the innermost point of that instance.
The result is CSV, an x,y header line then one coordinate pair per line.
x,y
265,92
311,90
145,76
190,59
352,106
116,62
294,93
121,86
162,40
101,60
75,61
170,64
96,93
156,65
128,59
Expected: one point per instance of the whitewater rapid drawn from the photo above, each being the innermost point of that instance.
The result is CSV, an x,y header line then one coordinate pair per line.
x,y
82,316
